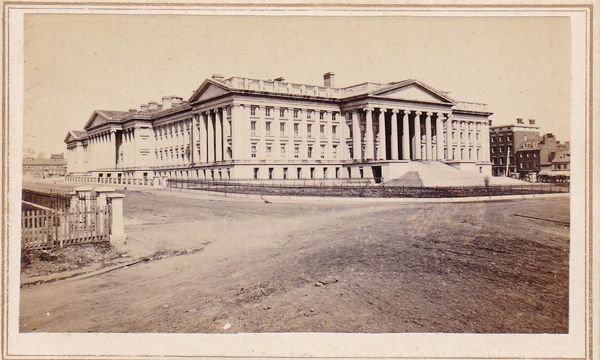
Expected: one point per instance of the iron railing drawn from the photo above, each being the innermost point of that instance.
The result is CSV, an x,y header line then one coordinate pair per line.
x,y
323,188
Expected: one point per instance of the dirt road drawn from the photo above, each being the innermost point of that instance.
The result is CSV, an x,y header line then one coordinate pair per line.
x,y
254,267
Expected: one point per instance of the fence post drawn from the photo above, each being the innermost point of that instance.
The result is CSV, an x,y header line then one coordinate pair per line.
x,y
117,228
101,202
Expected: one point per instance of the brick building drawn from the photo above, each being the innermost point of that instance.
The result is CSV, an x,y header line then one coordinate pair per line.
x,y
514,149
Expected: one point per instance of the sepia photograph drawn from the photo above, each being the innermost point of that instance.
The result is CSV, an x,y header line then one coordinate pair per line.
x,y
326,173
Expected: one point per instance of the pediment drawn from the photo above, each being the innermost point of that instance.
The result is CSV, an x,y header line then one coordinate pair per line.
x,y
413,92
208,90
97,119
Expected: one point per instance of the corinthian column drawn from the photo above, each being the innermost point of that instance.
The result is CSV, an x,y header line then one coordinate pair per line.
x,y
211,137
449,138
439,141
218,136
405,137
356,136
394,134
382,145
417,137
428,154
369,133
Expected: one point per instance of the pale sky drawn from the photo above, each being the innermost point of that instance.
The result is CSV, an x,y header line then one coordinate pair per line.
x,y
75,64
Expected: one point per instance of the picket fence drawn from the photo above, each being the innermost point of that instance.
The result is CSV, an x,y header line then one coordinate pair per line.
x,y
50,229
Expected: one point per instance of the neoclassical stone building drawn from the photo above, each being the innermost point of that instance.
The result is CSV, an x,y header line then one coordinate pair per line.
x,y
245,129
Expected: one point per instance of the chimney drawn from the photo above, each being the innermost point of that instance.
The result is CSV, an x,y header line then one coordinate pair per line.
x,y
170,101
329,79
143,107
152,105
531,121
132,111
217,77
519,121
280,79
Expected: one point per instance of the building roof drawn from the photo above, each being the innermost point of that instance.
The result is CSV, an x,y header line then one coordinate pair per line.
x,y
42,162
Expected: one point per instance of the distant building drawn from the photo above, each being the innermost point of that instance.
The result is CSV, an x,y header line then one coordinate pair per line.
x,y
56,165
514,150
555,159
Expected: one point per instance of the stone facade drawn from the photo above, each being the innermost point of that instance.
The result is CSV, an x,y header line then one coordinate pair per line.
x,y
246,129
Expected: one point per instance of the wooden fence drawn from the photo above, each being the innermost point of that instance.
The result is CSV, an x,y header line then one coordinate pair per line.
x,y
49,229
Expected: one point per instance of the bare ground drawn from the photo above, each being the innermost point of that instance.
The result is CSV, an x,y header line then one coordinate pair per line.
x,y
257,267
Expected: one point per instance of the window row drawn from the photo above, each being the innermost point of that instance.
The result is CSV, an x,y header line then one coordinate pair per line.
x,y
296,129
268,150
310,114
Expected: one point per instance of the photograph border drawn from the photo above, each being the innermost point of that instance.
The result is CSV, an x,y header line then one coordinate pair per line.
x,y
590,151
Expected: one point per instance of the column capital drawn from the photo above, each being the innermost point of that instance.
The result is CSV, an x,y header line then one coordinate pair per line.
x,y
429,114
368,109
383,110
395,111
418,113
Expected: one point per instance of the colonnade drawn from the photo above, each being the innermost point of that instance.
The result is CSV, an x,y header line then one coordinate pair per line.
x,y
101,149
211,136
414,135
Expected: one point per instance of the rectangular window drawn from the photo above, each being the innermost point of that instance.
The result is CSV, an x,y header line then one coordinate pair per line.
x,y
270,173
334,131
296,113
312,172
299,173
282,150
269,149
337,172
309,130
285,173
255,173
296,129
321,115
334,151
310,152
309,114
253,128
361,172
282,129
322,130
296,151
253,150
333,116
325,173
281,112
253,110
322,151
268,111
268,128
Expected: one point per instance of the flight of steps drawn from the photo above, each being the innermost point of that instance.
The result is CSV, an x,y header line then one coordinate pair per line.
x,y
435,173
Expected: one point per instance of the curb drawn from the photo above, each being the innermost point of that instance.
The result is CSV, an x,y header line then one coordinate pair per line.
x,y
83,274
